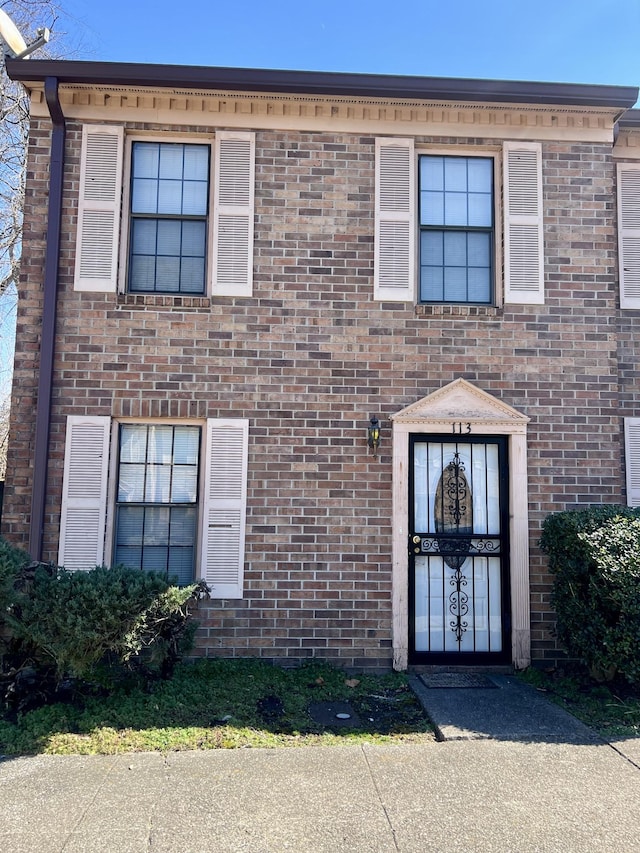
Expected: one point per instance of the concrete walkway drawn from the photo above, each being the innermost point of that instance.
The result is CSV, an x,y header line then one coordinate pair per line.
x,y
506,710
543,787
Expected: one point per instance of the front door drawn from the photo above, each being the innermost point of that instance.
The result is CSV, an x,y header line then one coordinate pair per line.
x,y
459,551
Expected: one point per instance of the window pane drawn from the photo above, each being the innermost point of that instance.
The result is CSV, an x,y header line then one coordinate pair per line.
x,y
144,236
170,197
432,284
432,173
196,162
168,275
180,565
130,525
455,284
171,157
193,239
431,248
128,556
183,526
154,559
192,275
146,157
455,209
186,445
143,273
431,208
480,173
131,484
455,174
156,526
480,210
169,237
144,196
133,443
194,198
455,249
479,247
160,444
479,284
158,484
184,485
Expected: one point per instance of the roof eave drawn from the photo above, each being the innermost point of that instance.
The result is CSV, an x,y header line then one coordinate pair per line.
x,y
321,83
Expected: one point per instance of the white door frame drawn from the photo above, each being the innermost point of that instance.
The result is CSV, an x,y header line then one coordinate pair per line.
x,y
450,411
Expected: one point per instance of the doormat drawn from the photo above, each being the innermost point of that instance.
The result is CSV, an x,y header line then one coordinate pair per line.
x,y
451,680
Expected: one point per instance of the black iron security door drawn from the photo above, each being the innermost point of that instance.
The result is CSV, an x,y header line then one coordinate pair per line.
x,y
458,550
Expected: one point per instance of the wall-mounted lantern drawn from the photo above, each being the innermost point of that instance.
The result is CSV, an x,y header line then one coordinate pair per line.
x,y
373,435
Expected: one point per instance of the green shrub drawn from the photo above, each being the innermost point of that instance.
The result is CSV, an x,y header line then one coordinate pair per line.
x,y
13,561
77,617
78,620
595,556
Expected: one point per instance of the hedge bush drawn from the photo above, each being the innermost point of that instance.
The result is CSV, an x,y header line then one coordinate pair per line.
x,y
82,621
594,555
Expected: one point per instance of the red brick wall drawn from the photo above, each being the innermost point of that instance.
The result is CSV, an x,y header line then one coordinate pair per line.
x,y
310,358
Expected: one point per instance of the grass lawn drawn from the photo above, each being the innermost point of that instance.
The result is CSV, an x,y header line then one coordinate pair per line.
x,y
224,704
612,710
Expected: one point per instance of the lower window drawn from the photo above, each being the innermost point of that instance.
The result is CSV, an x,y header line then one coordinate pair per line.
x,y
180,493
157,499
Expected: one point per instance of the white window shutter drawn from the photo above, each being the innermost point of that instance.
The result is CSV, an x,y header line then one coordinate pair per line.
x,y
629,234
99,208
84,492
523,224
234,180
632,459
395,225
225,500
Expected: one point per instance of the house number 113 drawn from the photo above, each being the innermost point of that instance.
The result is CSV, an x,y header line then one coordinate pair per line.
x,y
460,428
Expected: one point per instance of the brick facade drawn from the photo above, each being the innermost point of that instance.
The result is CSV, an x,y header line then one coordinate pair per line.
x,y
311,356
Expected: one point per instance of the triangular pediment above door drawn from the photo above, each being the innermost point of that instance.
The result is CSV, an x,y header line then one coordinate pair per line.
x,y
460,401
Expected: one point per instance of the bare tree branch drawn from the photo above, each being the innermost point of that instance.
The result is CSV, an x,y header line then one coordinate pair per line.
x,y
29,16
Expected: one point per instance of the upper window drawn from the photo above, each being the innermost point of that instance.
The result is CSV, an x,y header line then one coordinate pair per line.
x,y
456,225
187,226
456,229
169,207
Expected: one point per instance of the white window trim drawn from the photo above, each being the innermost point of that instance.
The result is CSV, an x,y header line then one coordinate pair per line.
x,y
125,219
116,423
495,153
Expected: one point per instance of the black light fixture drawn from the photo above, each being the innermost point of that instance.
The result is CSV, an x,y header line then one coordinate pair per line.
x,y
373,435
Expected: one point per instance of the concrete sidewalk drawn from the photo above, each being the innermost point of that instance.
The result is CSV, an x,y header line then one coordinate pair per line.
x,y
517,791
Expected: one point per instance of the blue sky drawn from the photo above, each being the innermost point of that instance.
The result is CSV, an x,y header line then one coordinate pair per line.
x,y
581,41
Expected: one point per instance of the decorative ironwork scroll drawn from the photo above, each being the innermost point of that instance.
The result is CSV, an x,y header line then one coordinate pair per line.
x,y
454,517
458,605
454,513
